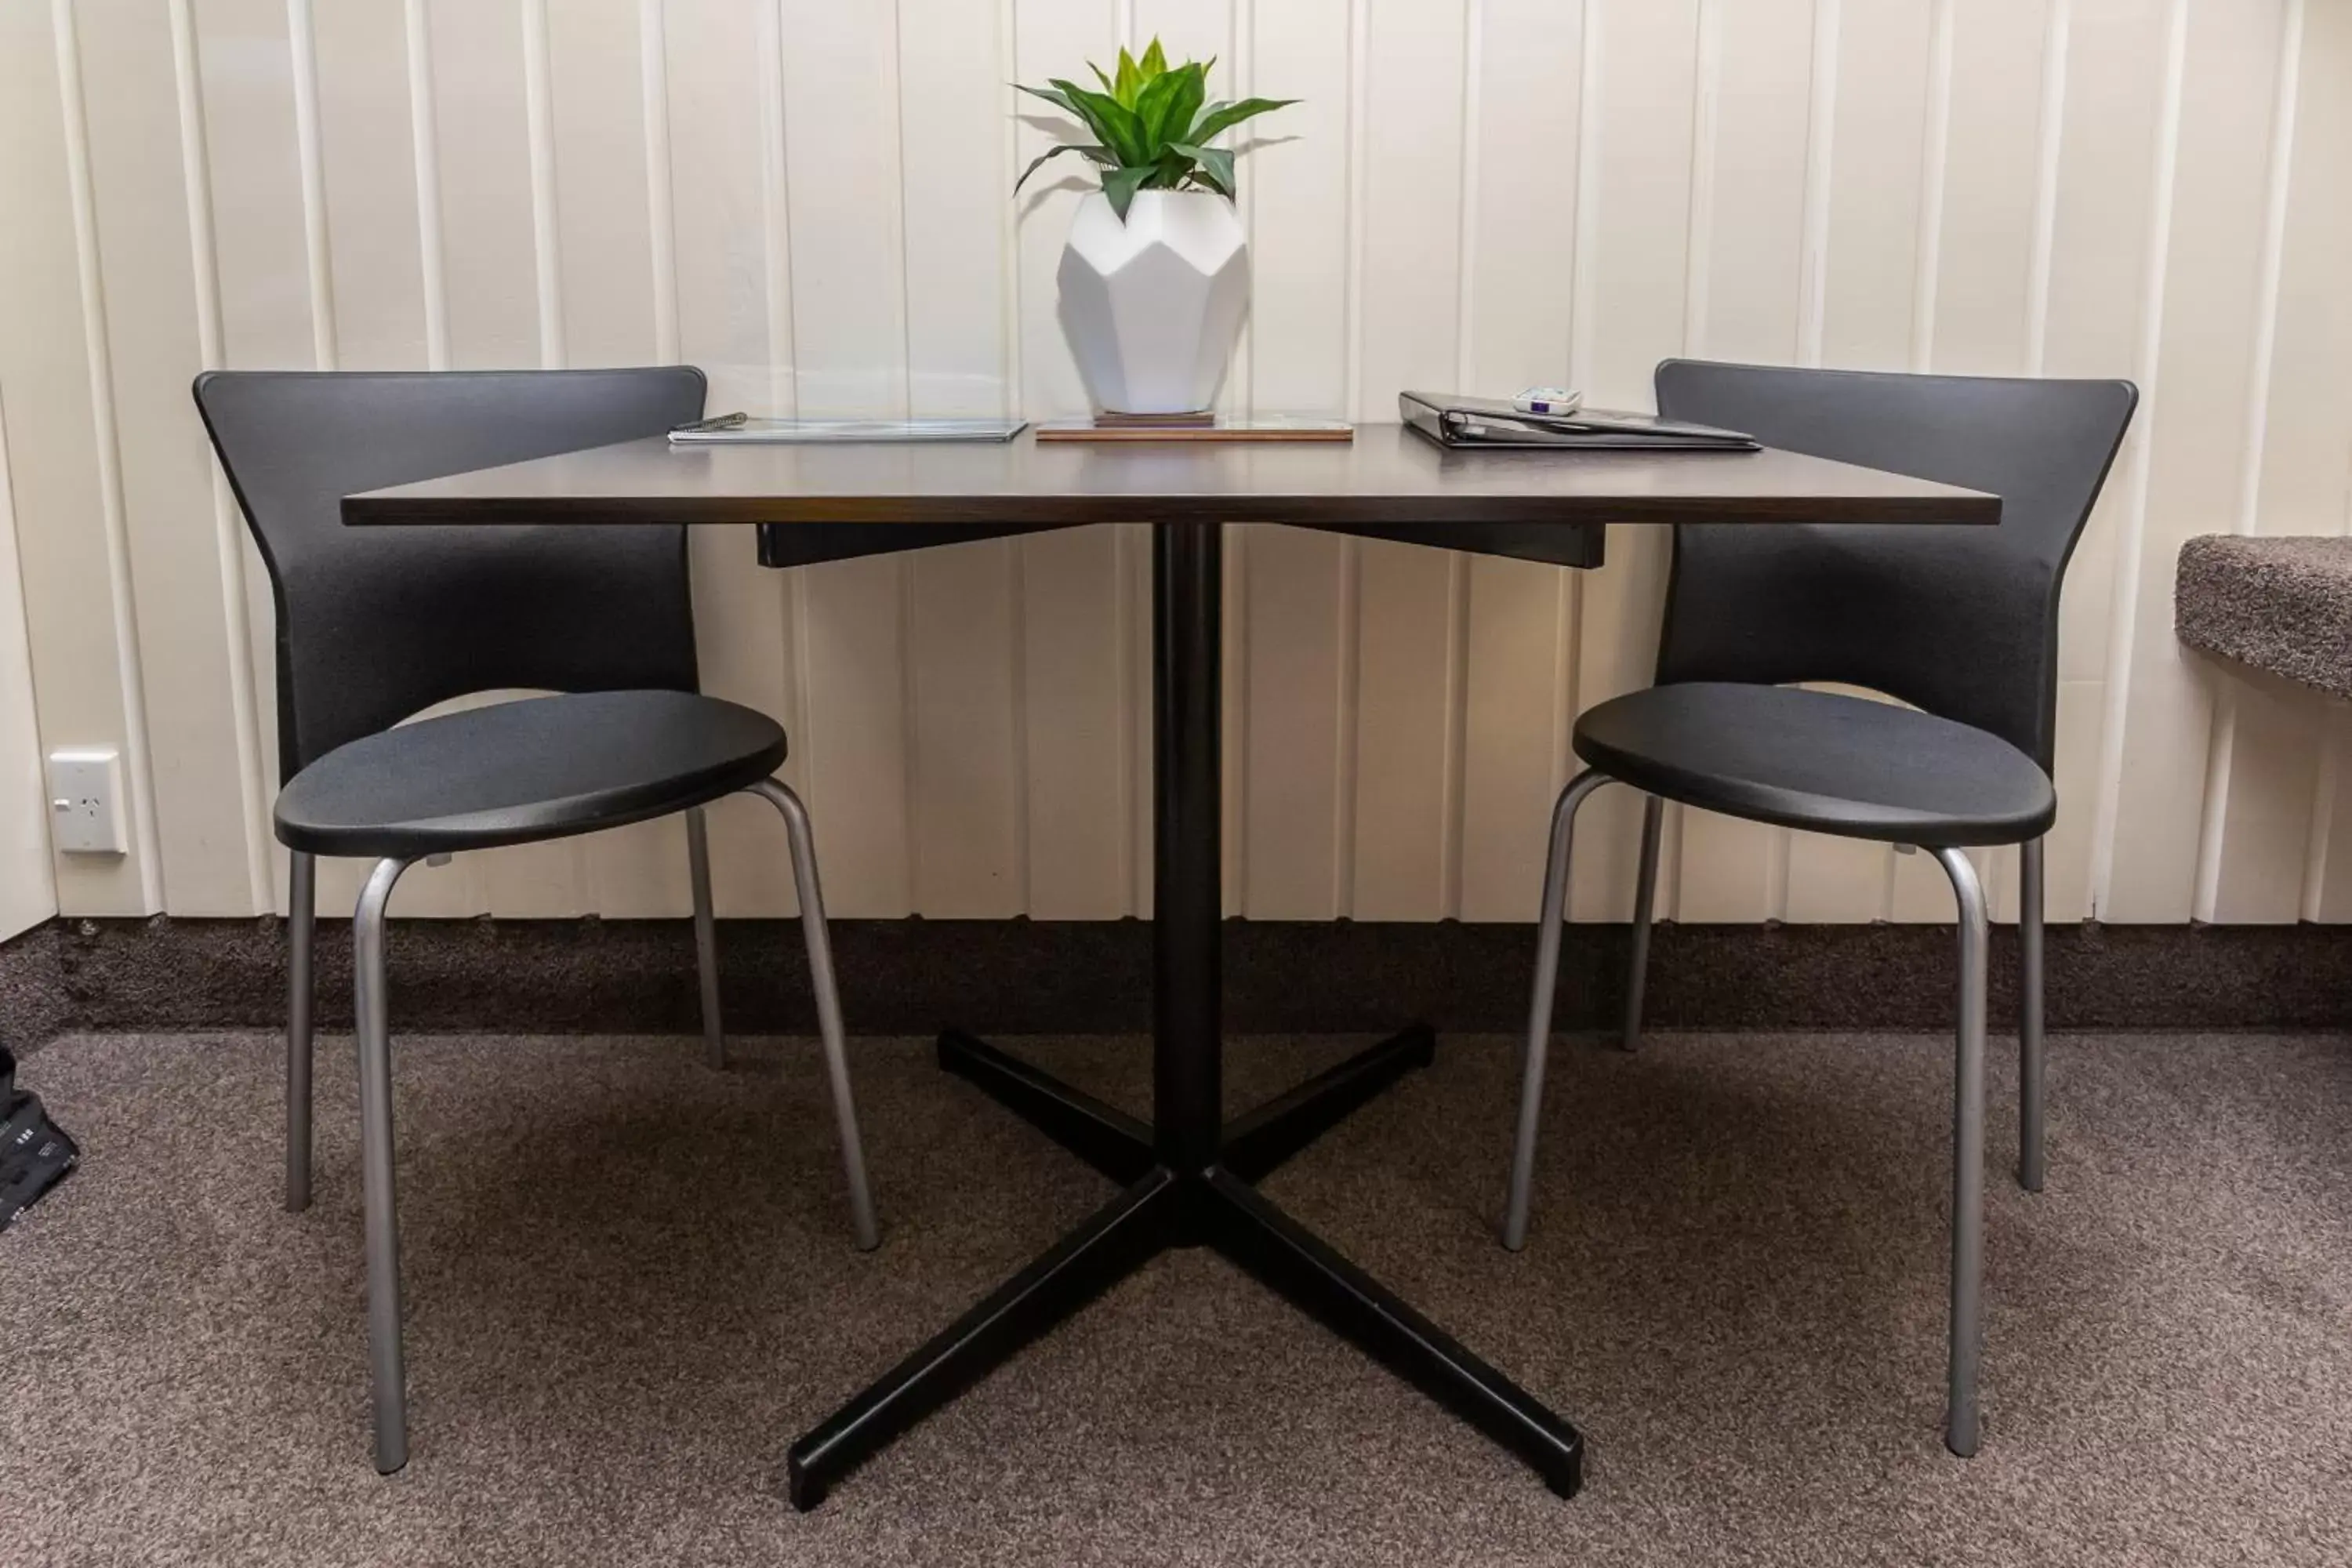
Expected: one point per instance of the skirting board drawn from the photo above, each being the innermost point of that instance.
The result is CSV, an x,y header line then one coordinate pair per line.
x,y
1094,977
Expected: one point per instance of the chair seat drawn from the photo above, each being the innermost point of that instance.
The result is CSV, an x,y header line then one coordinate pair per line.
x,y
539,767
1820,761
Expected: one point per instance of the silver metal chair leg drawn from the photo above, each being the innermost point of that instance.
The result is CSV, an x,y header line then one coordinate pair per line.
x,y
387,1371
301,925
706,935
828,1004
1540,1007
2032,1053
1960,1418
1645,903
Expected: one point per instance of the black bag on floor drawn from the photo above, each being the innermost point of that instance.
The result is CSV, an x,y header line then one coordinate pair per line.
x,y
35,1155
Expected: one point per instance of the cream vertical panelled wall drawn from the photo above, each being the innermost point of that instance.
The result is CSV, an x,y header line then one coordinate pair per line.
x,y
812,200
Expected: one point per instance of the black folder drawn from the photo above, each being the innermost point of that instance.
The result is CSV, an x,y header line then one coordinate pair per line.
x,y
1479,423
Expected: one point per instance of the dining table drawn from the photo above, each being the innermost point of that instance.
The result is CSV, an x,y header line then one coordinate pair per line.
x,y
1188,1176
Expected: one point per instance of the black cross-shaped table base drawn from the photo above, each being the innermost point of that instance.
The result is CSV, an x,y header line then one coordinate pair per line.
x,y
1159,1208
1187,1179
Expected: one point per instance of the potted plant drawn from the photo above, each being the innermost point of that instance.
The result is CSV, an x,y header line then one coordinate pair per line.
x,y
1155,278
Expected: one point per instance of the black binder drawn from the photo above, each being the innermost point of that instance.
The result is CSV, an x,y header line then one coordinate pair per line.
x,y
1479,423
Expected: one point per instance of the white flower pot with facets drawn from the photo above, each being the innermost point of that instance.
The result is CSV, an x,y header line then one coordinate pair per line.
x,y
1151,306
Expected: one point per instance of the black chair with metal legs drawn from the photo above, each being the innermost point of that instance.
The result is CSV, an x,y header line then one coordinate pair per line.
x,y
1961,623
376,625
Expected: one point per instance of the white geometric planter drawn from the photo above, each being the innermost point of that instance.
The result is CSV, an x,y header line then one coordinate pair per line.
x,y
1151,306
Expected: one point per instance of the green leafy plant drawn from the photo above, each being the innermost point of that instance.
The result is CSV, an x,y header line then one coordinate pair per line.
x,y
1151,127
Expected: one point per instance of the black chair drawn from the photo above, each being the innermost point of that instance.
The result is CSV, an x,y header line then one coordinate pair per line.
x,y
1960,622
376,625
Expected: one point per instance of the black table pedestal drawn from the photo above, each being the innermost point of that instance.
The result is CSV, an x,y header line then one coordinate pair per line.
x,y
1187,1176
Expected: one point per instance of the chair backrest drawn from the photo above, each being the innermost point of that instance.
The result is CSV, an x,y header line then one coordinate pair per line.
x,y
1959,621
375,624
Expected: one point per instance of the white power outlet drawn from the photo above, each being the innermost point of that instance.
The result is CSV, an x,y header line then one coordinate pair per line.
x,y
86,802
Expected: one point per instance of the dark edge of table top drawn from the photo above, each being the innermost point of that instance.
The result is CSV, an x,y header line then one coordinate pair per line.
x,y
1387,476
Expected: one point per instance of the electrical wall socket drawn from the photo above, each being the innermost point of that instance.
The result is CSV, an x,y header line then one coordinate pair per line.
x,y
86,802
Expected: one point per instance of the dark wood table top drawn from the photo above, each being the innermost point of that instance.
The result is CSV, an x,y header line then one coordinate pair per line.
x,y
1387,483
1386,475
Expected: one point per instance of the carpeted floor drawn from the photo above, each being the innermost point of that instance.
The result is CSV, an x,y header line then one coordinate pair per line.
x,y
631,1285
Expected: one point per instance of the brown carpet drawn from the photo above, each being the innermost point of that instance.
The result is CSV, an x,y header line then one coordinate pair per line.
x,y
630,1286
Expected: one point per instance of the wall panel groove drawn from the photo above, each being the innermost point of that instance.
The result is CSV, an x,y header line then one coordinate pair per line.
x,y
425,149
317,247
2134,470
2050,147
1820,142
653,63
2255,827
547,255
229,542
1935,167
